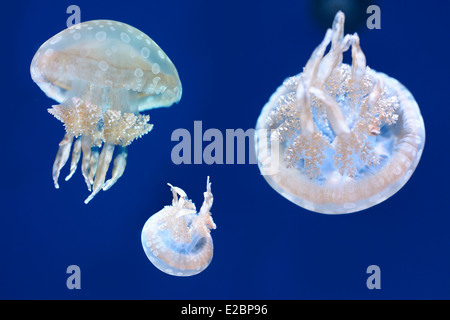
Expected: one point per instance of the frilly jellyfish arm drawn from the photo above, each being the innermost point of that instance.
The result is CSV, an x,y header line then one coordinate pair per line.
x,y
177,239
76,154
312,66
307,125
120,162
338,29
342,138
102,168
103,74
203,221
61,157
358,61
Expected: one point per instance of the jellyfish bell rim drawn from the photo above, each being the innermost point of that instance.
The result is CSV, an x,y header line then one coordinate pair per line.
x,y
146,101
284,185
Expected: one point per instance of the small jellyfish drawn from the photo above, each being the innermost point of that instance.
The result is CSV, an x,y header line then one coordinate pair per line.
x,y
339,138
103,73
177,239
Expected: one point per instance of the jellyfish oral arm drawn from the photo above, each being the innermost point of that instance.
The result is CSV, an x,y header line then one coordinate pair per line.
x,y
316,72
92,126
102,168
61,157
204,221
120,162
358,61
76,154
307,125
334,113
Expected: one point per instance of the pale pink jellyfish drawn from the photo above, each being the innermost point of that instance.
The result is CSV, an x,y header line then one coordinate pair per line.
x,y
339,138
103,73
177,239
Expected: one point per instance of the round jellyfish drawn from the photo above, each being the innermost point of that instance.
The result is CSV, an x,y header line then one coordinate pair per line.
x,y
103,74
339,138
177,239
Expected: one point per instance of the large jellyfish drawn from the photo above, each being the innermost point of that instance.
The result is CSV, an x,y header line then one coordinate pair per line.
x,y
177,239
103,73
339,138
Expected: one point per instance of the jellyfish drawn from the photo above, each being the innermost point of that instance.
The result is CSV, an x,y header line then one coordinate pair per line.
x,y
177,239
339,138
103,74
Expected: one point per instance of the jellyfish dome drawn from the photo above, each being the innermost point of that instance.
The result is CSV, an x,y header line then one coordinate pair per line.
x,y
339,138
177,239
103,74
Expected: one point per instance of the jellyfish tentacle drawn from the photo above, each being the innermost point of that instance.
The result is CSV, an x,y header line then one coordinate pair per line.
x,y
120,162
100,174
376,92
76,153
334,113
61,157
86,148
338,29
174,194
312,66
358,61
331,60
93,163
307,124
177,192
203,221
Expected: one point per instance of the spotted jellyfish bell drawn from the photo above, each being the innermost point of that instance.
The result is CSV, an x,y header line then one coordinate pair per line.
x,y
103,73
177,239
339,138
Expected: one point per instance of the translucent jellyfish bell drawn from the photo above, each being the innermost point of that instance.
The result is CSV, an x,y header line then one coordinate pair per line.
x,y
103,73
339,138
177,239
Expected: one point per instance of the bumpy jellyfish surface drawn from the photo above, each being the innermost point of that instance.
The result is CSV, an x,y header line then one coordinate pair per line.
x,y
177,239
103,74
339,138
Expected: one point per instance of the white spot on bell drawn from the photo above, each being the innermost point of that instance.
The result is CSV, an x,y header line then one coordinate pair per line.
x,y
156,68
103,65
49,52
100,36
124,37
145,52
138,72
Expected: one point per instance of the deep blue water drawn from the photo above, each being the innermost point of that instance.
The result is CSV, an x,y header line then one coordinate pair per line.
x,y
231,55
